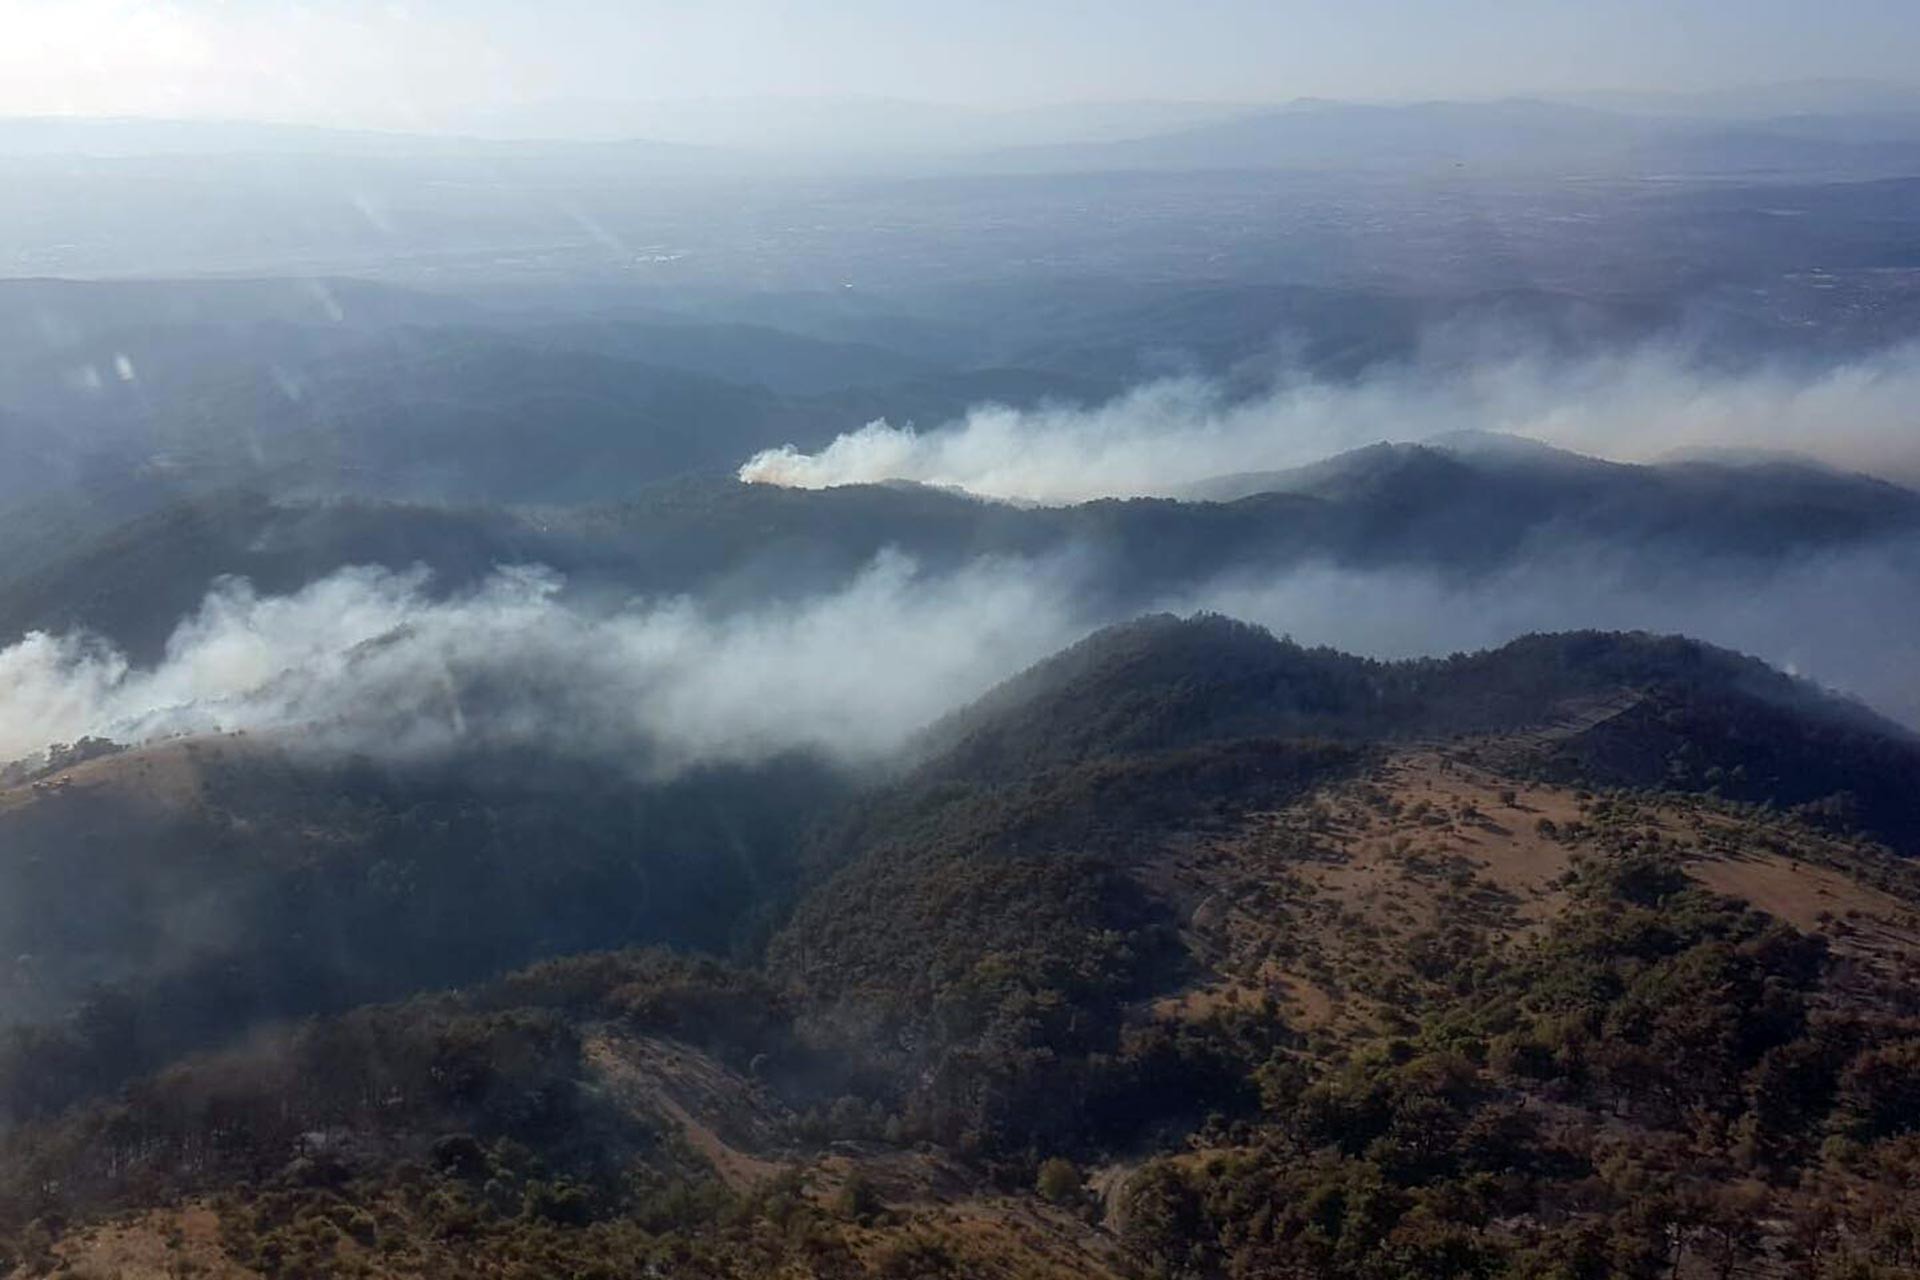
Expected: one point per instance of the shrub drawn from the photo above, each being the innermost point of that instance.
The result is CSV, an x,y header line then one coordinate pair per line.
x,y
1059,1181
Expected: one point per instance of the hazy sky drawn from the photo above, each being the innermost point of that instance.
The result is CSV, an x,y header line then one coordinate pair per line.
x,y
440,63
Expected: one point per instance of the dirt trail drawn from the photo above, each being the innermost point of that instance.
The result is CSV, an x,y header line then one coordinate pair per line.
x,y
1581,716
699,1096
1107,1184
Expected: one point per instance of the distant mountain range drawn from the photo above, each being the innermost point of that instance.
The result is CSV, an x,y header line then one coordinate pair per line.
x,y
1807,135
1755,126
1510,138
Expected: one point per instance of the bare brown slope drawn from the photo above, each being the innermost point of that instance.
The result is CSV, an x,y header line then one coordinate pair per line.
x,y
1319,907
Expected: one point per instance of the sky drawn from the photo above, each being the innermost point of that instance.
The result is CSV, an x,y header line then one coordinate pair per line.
x,y
446,64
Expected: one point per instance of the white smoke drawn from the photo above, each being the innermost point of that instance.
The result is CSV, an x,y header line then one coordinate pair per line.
x,y
1168,437
366,660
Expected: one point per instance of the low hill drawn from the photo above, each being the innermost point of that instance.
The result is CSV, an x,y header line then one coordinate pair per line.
x,y
257,878
1480,495
1697,717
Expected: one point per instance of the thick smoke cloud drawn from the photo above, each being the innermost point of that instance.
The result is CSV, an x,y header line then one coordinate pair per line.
x,y
369,661
1165,438
366,660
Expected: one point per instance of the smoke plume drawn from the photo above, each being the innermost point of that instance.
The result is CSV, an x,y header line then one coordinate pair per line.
x,y
368,661
365,660
1167,437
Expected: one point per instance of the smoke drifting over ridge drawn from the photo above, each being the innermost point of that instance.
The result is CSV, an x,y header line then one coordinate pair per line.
x,y
1163,439
364,660
367,661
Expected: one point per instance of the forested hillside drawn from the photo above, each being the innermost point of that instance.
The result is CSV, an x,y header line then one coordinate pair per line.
x,y
1188,952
